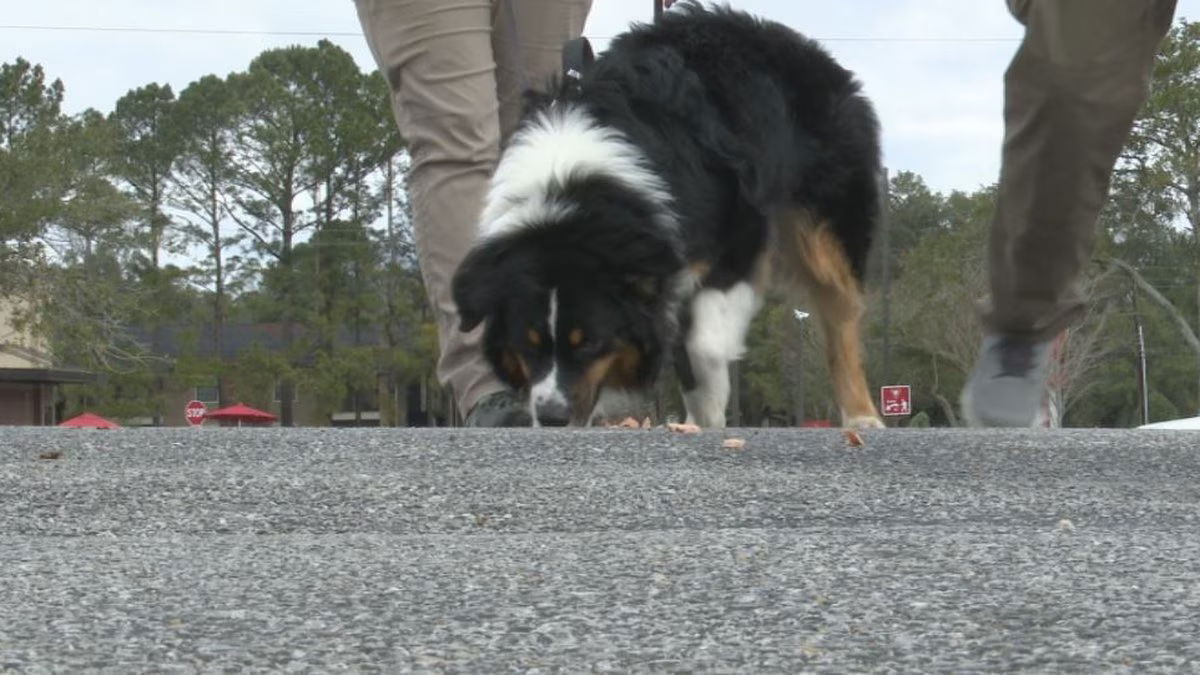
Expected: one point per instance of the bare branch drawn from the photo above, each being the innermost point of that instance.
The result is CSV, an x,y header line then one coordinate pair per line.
x,y
1181,321
250,230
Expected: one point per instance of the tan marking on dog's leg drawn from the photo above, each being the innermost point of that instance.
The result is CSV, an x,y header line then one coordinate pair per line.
x,y
812,257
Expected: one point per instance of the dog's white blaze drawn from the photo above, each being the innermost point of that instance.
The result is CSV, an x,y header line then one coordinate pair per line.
x,y
560,143
546,390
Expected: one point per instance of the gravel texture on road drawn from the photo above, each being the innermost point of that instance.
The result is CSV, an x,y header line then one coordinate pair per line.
x,y
606,550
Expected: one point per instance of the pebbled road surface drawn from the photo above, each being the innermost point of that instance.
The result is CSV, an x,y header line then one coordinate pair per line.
x,y
610,550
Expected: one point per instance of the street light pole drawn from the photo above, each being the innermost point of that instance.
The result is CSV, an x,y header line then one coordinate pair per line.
x,y
799,406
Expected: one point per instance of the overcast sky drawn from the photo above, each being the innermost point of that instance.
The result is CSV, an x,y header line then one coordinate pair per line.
x,y
932,67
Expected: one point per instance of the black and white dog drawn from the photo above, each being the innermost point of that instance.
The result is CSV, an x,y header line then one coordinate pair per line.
x,y
641,213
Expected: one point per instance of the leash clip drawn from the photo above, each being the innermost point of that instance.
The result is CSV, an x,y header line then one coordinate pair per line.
x,y
577,59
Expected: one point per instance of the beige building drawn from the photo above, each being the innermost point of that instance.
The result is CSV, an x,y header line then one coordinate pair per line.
x,y
28,380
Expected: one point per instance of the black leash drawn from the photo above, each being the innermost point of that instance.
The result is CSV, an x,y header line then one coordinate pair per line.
x,y
578,56
577,59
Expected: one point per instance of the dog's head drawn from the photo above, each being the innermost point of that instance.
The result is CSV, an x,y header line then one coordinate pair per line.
x,y
573,305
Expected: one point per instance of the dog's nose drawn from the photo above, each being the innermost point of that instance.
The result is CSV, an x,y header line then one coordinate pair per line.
x,y
551,413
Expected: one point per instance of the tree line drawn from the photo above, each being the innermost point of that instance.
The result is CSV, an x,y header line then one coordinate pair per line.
x,y
275,195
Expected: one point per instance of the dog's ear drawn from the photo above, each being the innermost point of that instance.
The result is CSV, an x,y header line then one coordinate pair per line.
x,y
496,268
476,283
648,258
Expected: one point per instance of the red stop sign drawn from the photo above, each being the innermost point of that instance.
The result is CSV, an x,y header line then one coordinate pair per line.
x,y
194,411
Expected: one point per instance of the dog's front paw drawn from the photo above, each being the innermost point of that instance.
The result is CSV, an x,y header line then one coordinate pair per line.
x,y
863,422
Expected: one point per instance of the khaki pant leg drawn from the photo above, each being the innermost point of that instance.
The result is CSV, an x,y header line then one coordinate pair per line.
x,y
1071,94
528,38
437,58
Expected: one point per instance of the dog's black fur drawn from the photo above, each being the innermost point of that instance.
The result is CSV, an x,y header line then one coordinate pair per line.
x,y
740,118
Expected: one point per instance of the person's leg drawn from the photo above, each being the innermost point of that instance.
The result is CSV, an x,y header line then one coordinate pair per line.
x,y
437,58
1071,94
527,38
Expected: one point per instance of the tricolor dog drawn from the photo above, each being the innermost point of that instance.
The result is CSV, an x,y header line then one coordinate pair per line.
x,y
638,216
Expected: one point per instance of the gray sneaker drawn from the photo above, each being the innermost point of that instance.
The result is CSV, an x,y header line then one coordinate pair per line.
x,y
501,409
1008,386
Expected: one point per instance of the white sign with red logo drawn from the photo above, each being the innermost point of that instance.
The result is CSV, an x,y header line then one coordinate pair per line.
x,y
895,400
195,411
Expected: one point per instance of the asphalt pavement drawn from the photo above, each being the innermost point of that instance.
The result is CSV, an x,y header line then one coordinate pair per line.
x,y
322,550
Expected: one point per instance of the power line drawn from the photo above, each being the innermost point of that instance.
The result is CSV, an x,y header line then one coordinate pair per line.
x,y
931,40
327,33
188,31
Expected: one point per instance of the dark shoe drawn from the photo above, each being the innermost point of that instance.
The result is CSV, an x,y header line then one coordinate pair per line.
x,y
501,409
1008,386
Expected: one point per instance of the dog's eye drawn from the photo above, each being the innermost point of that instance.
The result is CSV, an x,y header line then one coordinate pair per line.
x,y
575,338
534,337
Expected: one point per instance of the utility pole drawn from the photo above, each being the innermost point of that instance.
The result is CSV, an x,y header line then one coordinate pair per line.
x,y
1143,389
885,243
658,9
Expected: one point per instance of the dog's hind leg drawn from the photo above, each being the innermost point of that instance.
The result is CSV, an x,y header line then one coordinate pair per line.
x,y
811,257
715,336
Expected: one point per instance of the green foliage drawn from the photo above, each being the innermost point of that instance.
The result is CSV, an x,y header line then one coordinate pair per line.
x,y
332,377
1152,221
92,212
913,211
936,329
148,144
919,421
30,177
201,185
1161,408
784,370
285,183
118,395
254,374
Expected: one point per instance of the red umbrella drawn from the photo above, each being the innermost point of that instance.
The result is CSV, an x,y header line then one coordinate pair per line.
x,y
240,412
89,421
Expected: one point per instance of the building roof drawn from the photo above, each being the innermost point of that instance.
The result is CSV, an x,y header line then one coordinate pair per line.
x,y
46,376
